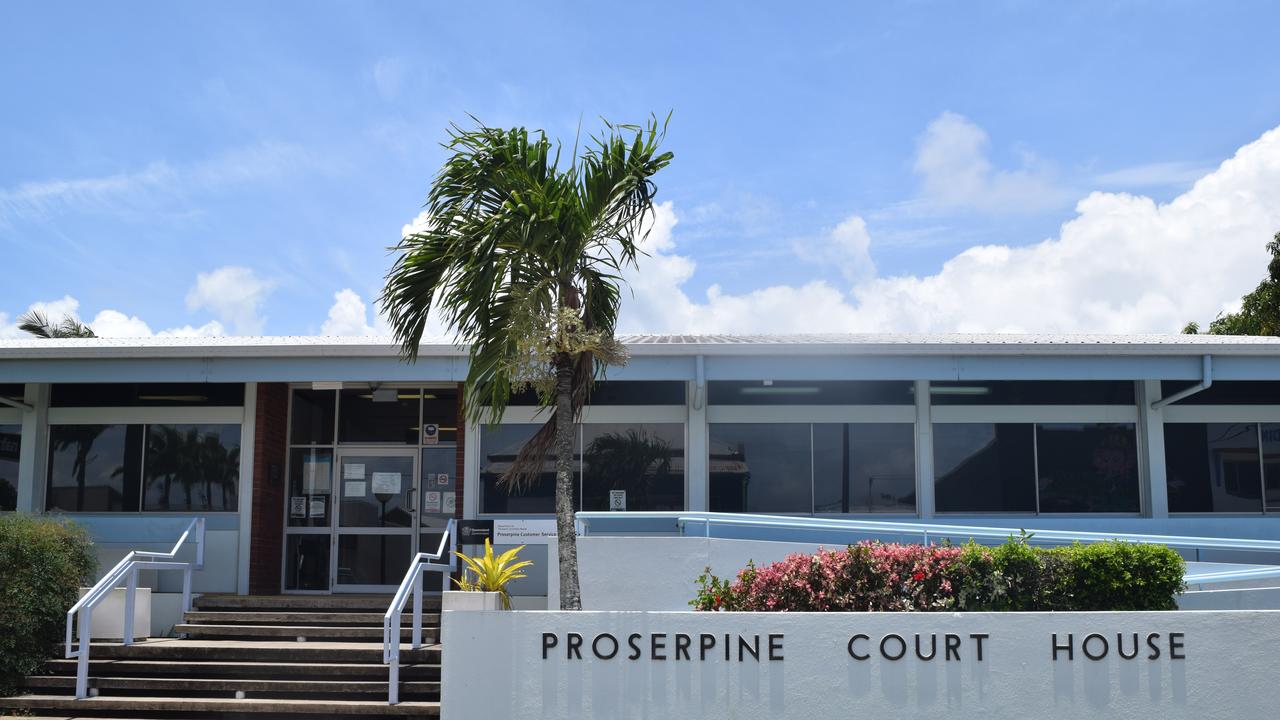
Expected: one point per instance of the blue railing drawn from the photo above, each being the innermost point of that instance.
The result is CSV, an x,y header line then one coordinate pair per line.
x,y
776,527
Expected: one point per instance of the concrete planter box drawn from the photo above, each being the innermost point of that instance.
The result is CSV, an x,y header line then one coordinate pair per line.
x,y
108,616
463,600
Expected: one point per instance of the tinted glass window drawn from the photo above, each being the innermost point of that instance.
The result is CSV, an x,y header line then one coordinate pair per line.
x,y
620,392
1271,465
984,467
10,449
385,415
192,468
313,415
1225,392
306,565
646,462
1032,392
1088,467
94,468
499,446
13,391
147,395
1212,467
440,408
757,467
310,487
799,392
864,467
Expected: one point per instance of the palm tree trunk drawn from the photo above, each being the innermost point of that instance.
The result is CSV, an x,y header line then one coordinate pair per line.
x,y
566,534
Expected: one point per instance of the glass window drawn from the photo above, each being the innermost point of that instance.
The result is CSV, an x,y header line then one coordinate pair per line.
x,y
1088,467
1212,467
1032,392
619,392
440,408
306,565
644,461
864,467
984,467
94,468
13,391
10,450
759,467
386,415
147,395
803,392
1226,392
499,446
192,468
310,487
1271,465
373,559
313,415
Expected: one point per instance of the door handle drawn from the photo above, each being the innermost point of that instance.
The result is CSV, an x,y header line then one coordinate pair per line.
x,y
410,498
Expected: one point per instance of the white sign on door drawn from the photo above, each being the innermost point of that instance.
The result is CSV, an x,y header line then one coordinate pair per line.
x,y
386,483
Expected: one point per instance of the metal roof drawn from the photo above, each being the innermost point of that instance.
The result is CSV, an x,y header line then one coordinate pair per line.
x,y
671,345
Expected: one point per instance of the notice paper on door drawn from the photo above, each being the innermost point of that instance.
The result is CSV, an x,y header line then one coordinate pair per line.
x,y
298,507
317,507
353,471
431,502
386,483
354,488
450,505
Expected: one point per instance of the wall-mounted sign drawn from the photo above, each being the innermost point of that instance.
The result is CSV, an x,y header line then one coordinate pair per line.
x,y
475,532
524,531
617,499
430,434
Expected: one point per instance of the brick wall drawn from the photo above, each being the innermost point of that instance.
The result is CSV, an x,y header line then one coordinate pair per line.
x,y
269,448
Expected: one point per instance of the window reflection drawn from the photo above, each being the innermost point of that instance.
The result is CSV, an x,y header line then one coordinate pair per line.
x,y
760,468
645,461
94,468
1087,467
10,447
192,468
864,467
1212,467
499,446
984,467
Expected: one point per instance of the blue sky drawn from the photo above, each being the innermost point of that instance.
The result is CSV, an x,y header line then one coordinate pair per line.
x,y
230,167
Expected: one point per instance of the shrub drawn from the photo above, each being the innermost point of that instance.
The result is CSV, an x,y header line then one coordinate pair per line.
x,y
43,563
873,576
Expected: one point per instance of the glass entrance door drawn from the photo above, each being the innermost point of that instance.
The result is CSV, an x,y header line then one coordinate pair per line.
x,y
377,519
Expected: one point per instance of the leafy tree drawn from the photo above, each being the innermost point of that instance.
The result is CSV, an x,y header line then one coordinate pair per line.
x,y
522,257
1259,310
37,323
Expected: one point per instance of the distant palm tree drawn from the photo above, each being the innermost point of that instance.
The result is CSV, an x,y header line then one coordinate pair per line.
x,y
522,257
38,324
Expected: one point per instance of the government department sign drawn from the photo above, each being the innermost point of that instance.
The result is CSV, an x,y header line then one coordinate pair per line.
x,y
1028,666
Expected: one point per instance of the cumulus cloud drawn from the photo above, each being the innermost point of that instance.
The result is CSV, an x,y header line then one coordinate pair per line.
x,y
847,247
349,315
106,323
234,295
956,173
1124,263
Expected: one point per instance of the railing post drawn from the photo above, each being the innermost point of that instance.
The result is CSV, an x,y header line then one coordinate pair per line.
x,y
82,662
186,589
417,610
130,591
393,679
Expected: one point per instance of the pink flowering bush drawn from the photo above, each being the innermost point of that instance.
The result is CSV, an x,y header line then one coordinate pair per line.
x,y
880,577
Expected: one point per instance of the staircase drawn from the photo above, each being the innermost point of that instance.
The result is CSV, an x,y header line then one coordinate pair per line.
x,y
251,656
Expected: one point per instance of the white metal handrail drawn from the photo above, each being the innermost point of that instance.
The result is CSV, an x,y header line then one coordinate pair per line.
x,y
412,585
685,521
127,570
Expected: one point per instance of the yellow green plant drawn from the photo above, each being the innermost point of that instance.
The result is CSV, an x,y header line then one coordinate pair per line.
x,y
490,573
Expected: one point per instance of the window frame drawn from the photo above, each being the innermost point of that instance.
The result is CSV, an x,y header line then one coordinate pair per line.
x,y
1258,415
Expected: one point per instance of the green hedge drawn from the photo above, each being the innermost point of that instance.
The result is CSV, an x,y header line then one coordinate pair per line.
x,y
43,564
1014,576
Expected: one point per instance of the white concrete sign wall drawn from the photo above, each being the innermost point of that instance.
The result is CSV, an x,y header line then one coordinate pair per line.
x,y
994,666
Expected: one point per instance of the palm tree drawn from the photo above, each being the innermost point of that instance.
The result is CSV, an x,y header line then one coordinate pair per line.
x,y
522,257
37,323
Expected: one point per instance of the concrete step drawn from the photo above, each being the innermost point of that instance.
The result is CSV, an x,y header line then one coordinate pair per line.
x,y
230,686
264,706
299,617
339,603
318,632
242,669
259,651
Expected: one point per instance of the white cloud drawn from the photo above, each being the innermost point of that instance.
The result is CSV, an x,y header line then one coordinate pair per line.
x,y
349,315
234,295
956,173
107,323
1161,174
388,74
847,248
1123,264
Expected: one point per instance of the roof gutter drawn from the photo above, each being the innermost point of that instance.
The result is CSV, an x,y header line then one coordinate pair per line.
x,y
1206,379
